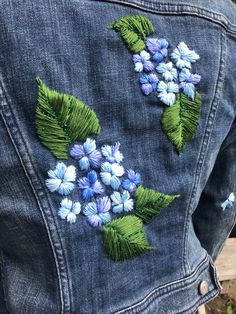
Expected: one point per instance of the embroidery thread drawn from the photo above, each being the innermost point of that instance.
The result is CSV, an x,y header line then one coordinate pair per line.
x,y
61,119
118,193
172,82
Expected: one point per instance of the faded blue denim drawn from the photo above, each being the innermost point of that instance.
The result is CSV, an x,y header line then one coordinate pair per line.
x,y
49,266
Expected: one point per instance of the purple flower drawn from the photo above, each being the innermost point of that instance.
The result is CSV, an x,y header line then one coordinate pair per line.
x,y
158,48
142,62
90,186
87,154
133,182
148,83
112,153
187,82
98,212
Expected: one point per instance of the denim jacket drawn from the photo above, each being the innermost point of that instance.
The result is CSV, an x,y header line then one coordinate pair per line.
x,y
51,266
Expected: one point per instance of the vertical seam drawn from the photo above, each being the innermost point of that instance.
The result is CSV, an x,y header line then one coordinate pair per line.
x,y
45,208
205,145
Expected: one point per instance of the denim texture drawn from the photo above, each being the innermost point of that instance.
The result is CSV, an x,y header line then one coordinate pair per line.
x,y
49,266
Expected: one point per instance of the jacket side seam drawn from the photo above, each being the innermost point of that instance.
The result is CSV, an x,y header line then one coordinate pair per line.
x,y
43,204
205,143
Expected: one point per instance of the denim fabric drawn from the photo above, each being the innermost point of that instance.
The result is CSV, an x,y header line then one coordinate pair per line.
x,y
49,266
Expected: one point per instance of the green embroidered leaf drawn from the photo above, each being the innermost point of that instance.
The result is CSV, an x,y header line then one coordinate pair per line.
x,y
61,119
124,238
180,121
149,203
134,30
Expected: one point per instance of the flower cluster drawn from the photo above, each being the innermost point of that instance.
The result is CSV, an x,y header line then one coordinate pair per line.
x,y
104,186
171,73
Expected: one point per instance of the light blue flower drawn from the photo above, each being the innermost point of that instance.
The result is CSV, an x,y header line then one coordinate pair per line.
x,y
98,212
121,202
148,83
110,174
69,210
167,92
87,154
183,56
141,62
112,153
169,73
229,202
61,179
187,82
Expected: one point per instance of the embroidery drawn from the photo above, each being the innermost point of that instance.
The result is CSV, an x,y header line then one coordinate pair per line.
x,y
229,203
69,210
149,203
106,190
133,29
124,238
61,179
61,119
170,78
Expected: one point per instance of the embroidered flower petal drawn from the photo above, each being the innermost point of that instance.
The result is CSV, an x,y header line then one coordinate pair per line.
x,y
106,167
98,188
138,67
92,176
70,174
105,218
189,90
95,159
106,178
128,205
53,184
66,203
115,183
76,208
148,66
147,89
167,70
77,151
84,163
89,146
145,56
71,218
117,209
90,209
83,183
87,194
63,212
103,204
167,98
117,170
94,220
116,198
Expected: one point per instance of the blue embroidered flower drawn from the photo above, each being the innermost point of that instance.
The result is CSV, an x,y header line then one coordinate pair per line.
x,y
158,48
229,202
112,153
121,202
183,56
142,62
110,173
148,83
87,154
167,92
90,186
98,212
169,73
61,179
187,82
69,210
133,182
